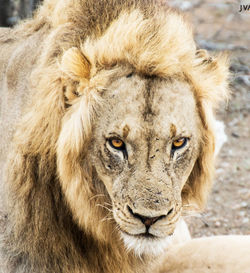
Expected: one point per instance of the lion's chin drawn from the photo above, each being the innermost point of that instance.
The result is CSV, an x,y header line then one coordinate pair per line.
x,y
146,245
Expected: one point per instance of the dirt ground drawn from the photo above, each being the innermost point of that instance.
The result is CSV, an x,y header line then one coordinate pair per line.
x,y
219,26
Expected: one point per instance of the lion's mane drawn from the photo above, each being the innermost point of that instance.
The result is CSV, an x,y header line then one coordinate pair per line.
x,y
49,148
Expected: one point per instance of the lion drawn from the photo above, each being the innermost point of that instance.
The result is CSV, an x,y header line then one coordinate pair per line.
x,y
107,135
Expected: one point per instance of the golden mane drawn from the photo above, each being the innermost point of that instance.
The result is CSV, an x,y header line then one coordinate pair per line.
x,y
80,47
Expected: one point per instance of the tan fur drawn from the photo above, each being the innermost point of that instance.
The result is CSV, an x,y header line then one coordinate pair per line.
x,y
227,254
71,77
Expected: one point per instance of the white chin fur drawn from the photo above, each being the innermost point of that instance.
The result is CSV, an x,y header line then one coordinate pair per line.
x,y
157,246
148,246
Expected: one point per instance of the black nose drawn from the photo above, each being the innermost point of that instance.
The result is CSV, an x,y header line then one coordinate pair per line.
x,y
148,221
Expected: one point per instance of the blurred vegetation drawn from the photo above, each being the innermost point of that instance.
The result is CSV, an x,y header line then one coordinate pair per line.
x,y
11,11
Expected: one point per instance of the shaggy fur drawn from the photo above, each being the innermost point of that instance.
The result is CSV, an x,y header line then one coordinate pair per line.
x,y
56,72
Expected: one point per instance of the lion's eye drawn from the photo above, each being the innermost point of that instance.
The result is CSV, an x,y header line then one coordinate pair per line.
x,y
179,143
116,143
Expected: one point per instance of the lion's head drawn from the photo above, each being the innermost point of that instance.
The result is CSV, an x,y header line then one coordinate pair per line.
x,y
137,138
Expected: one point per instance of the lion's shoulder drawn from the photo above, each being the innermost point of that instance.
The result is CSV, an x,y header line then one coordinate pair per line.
x,y
18,57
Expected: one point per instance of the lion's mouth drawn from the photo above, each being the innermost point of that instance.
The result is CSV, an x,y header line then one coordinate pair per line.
x,y
144,235
147,235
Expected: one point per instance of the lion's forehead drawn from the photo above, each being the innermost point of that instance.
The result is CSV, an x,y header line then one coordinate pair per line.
x,y
141,106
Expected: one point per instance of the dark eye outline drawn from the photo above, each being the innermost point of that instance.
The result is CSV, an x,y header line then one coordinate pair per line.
x,y
174,148
122,148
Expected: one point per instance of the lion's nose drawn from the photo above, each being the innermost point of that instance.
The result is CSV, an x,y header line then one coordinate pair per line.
x,y
148,221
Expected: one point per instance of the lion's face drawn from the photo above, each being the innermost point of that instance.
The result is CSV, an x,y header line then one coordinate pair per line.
x,y
144,144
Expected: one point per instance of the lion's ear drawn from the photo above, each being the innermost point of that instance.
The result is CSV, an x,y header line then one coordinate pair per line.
x,y
211,77
75,64
77,68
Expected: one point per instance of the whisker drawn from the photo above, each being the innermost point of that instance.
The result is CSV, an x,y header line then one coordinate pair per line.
x,y
108,204
117,228
107,219
194,206
190,214
102,206
96,196
190,210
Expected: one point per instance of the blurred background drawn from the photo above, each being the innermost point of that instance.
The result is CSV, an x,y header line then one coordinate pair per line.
x,y
12,11
218,26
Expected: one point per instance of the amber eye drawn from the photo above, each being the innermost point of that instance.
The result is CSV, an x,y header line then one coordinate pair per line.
x,y
179,143
116,143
